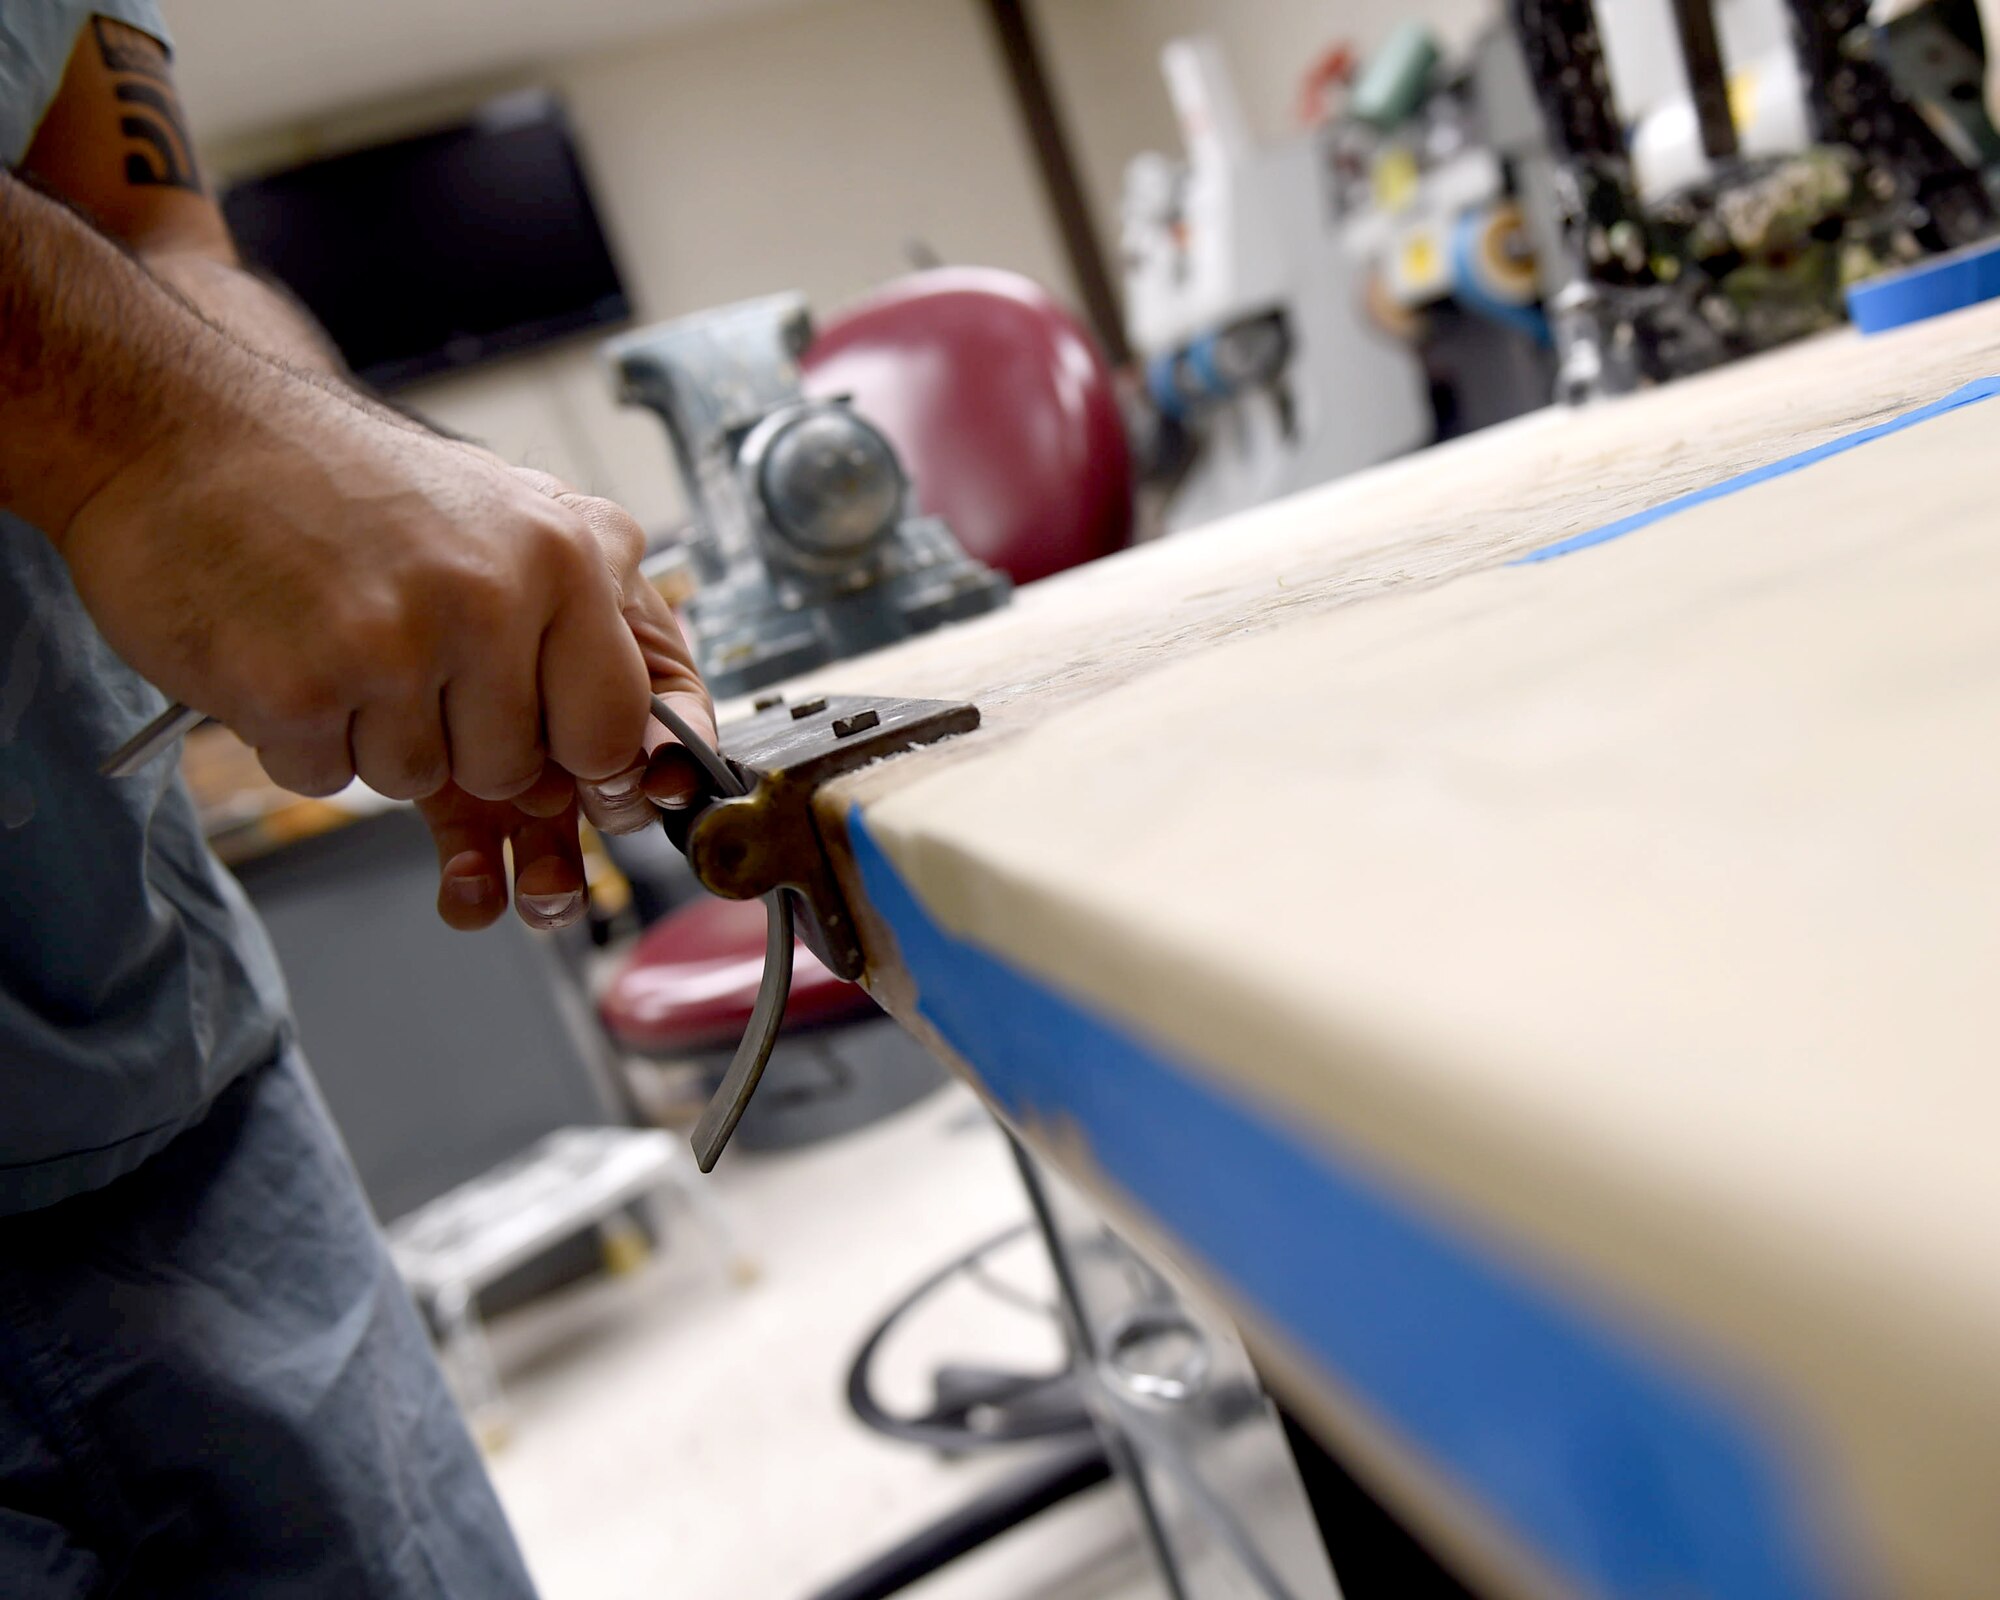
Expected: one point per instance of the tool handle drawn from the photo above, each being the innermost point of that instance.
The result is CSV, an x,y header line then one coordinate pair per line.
x,y
179,720
156,737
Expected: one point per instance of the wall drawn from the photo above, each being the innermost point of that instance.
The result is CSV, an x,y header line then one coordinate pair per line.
x,y
1104,56
783,150
802,148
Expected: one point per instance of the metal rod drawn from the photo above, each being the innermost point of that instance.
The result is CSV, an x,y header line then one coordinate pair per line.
x,y
155,738
1707,78
698,747
1055,163
179,720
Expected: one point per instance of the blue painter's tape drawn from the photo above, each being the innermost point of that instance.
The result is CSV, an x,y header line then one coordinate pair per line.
x,y
1621,1469
1929,289
1983,389
1470,287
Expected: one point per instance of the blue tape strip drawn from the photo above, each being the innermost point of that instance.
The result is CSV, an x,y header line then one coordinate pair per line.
x,y
1930,289
1201,362
1982,389
1632,1477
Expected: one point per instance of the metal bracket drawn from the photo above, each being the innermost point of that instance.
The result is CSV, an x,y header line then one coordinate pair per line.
x,y
768,839
759,838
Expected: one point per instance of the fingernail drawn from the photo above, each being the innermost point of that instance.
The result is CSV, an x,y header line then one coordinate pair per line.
x,y
473,891
552,908
673,802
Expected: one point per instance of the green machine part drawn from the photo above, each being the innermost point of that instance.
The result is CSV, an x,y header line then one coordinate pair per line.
x,y
1397,77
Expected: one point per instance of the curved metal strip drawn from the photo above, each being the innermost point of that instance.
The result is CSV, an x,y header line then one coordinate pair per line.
x,y
720,771
767,1017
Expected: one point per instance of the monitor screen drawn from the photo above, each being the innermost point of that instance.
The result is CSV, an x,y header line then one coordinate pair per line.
x,y
439,251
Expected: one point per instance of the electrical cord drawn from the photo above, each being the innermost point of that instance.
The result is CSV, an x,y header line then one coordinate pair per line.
x,y
1014,1407
1006,1293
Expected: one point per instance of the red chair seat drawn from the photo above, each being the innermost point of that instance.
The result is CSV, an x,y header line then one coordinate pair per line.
x,y
690,981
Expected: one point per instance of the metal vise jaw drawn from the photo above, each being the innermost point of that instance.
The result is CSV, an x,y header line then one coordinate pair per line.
x,y
809,546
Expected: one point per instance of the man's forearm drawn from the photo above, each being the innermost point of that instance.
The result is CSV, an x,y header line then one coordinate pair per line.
x,y
101,354
98,362
266,319
262,316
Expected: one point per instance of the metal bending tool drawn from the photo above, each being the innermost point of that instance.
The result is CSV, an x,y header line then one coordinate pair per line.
x,y
755,838
767,1015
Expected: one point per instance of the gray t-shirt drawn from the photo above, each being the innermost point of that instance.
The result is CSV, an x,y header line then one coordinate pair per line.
x,y
135,981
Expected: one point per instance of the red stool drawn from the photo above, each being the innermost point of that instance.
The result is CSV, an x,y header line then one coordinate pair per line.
x,y
1006,419
684,994
687,985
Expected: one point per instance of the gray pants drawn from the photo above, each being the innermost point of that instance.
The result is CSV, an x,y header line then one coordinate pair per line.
x,y
212,1384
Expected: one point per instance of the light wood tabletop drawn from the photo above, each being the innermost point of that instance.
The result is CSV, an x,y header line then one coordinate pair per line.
x,y
1553,1004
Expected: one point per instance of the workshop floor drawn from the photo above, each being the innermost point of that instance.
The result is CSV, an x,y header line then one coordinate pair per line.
x,y
675,1434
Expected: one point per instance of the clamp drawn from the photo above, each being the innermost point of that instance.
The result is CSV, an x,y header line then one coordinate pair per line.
x,y
757,838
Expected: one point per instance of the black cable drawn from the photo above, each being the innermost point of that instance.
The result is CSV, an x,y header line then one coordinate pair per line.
x,y
1065,1473
1006,1293
938,1428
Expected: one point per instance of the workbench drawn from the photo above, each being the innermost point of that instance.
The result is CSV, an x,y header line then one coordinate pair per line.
x,y
1518,927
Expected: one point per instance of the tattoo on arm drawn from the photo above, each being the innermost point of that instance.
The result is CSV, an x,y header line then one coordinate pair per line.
x,y
163,153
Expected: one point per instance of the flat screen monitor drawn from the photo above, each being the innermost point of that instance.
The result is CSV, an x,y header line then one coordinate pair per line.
x,y
439,251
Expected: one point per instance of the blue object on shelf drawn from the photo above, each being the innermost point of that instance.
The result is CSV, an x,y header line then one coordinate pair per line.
x,y
1930,289
1477,286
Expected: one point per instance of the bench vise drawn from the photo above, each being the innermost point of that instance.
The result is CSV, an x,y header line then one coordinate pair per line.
x,y
808,544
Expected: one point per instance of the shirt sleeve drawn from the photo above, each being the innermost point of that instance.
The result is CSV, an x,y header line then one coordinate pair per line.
x,y
36,39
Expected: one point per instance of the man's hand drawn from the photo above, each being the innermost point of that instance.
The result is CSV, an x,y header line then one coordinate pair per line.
x,y
668,777
446,628
539,826
395,668
540,829
359,598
